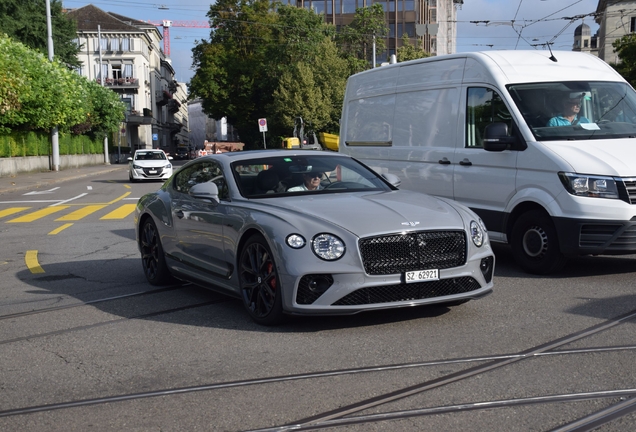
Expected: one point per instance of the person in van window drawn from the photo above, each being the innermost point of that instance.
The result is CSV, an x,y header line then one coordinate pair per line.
x,y
569,112
311,181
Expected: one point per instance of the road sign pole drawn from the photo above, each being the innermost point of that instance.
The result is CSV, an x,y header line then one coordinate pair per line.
x,y
264,143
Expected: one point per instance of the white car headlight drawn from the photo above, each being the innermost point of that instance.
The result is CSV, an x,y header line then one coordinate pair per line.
x,y
168,166
589,185
328,247
136,166
476,233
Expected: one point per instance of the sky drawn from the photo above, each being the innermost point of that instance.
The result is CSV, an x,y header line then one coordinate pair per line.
x,y
501,24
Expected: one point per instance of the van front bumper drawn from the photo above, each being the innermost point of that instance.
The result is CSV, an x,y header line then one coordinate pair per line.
x,y
596,237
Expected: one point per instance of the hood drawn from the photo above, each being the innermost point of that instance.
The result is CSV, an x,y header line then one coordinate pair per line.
x,y
365,214
615,157
151,163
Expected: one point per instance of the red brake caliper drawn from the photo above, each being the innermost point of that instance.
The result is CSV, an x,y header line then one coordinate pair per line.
x,y
272,282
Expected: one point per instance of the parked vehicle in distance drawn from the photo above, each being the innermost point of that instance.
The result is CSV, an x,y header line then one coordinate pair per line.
x,y
182,153
241,223
151,164
541,145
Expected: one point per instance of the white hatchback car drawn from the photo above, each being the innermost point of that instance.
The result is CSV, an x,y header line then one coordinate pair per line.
x,y
149,165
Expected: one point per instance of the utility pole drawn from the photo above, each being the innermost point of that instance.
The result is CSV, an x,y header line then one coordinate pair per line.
x,y
101,80
55,143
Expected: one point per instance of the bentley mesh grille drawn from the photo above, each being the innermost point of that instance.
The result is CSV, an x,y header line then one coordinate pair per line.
x,y
409,292
398,253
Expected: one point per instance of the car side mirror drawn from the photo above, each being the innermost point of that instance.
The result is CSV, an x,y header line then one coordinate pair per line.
x,y
130,159
496,137
393,179
170,158
207,191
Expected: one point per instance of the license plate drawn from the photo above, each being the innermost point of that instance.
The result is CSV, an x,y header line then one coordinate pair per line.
x,y
152,171
421,275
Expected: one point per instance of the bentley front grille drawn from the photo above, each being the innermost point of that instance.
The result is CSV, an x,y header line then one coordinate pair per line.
x,y
409,292
398,253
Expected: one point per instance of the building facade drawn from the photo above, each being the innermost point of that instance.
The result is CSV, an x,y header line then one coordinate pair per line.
x,y
125,55
433,22
615,18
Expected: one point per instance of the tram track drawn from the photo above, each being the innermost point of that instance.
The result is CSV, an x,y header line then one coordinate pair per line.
x,y
87,303
347,421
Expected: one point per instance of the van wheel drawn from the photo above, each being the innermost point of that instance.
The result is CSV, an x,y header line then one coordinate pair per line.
x,y
535,244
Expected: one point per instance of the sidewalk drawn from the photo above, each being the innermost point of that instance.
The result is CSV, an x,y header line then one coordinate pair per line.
x,y
35,180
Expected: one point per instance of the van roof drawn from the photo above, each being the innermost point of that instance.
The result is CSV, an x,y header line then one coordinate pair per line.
x,y
494,67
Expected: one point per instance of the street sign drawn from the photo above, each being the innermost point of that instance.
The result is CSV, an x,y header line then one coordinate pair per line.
x,y
262,125
155,137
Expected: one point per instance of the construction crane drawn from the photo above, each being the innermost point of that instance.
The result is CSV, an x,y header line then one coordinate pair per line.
x,y
166,24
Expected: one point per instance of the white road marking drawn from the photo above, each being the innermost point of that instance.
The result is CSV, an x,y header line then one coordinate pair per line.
x,y
71,199
42,192
89,187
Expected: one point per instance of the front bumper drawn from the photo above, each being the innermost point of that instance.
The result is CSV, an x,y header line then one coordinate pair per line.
x,y
596,237
150,173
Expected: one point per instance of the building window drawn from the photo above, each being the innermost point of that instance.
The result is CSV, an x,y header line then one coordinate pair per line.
x,y
632,24
586,43
348,6
409,5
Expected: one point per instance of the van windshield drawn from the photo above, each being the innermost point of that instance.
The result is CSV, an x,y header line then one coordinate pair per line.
x,y
577,110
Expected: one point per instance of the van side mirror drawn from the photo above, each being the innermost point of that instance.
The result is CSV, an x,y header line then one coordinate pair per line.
x,y
207,191
393,179
496,137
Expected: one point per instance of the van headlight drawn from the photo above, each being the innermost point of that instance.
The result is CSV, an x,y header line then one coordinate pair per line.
x,y
589,185
477,233
328,247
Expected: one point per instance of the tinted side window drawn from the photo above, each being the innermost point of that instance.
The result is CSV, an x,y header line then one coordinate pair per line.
x,y
201,173
483,107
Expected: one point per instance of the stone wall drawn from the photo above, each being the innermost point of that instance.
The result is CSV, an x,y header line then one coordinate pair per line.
x,y
15,165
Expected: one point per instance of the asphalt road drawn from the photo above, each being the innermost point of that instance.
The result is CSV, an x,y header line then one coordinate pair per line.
x,y
87,344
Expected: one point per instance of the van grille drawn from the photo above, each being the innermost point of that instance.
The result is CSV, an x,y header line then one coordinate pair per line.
x,y
397,253
629,192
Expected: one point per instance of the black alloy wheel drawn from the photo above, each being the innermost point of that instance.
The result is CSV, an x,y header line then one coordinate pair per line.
x,y
535,244
152,256
260,285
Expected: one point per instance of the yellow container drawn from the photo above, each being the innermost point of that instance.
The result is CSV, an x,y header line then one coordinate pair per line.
x,y
290,143
329,141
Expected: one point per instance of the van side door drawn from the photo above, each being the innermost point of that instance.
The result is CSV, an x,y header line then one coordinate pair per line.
x,y
484,180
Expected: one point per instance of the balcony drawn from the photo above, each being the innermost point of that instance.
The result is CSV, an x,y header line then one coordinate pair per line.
x,y
135,118
120,83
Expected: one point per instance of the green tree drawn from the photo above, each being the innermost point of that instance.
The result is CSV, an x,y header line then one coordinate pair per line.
x,y
625,47
356,39
25,21
409,51
261,54
36,94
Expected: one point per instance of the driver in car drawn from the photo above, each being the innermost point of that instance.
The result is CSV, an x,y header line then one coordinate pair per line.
x,y
311,181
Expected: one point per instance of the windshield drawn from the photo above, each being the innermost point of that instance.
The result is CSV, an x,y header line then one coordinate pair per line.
x,y
577,110
147,155
298,175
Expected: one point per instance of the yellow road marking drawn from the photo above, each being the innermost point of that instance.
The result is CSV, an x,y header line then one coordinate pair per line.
x,y
127,186
57,230
120,198
13,210
31,260
38,214
79,214
120,213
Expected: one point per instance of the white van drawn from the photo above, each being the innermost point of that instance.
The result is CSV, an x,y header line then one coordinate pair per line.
x,y
473,127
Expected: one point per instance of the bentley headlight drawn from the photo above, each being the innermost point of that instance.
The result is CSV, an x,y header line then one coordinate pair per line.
x,y
295,241
328,247
589,185
476,233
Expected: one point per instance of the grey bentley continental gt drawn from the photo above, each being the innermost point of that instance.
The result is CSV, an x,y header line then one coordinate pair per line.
x,y
310,232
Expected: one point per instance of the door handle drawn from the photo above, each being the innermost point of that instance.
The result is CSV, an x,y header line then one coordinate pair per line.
x,y
465,162
443,161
